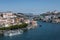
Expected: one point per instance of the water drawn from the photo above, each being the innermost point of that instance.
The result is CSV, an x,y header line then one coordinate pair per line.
x,y
48,31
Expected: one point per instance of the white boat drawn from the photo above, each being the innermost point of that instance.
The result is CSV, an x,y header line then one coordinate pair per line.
x,y
13,32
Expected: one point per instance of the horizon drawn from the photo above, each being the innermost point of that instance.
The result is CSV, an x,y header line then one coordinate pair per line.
x,y
29,6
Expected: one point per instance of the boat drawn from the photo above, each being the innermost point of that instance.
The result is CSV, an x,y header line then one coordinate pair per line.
x,y
40,25
13,32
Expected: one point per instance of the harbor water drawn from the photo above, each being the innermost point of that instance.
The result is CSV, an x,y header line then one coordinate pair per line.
x,y
47,31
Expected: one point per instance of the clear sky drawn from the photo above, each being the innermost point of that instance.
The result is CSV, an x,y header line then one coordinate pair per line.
x,y
30,6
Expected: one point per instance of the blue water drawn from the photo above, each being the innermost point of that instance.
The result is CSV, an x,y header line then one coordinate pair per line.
x,y
48,31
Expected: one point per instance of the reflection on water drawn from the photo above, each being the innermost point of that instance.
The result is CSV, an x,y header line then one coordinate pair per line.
x,y
48,31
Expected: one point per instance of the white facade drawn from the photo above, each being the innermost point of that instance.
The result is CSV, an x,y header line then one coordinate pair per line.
x,y
47,17
8,15
27,21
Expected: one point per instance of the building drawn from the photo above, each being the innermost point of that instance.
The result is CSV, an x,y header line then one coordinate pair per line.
x,y
27,21
8,15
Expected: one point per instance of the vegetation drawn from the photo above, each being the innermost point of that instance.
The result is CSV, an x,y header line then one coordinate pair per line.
x,y
23,25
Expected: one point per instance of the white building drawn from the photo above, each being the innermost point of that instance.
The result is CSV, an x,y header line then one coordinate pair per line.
x,y
27,21
8,15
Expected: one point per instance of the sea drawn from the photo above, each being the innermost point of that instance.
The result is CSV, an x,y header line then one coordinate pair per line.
x,y
43,31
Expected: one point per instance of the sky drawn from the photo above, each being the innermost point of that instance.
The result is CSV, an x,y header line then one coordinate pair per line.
x,y
29,6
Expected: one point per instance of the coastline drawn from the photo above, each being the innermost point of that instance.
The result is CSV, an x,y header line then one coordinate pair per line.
x,y
28,27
